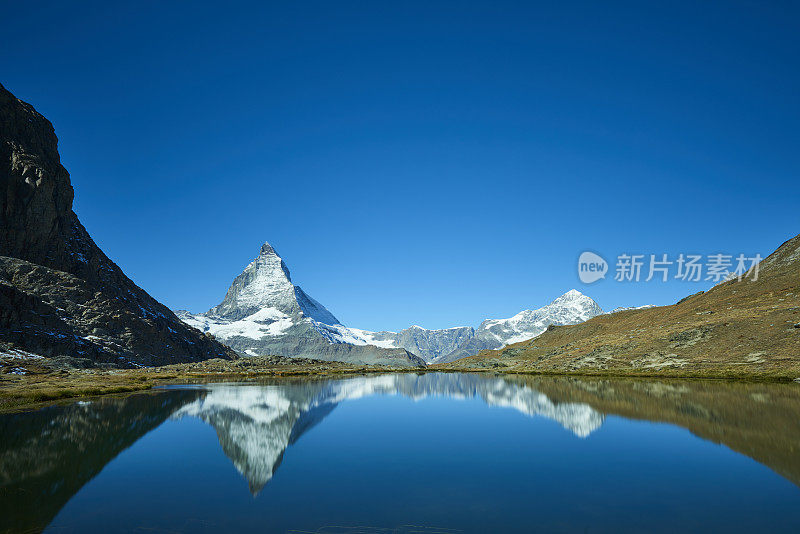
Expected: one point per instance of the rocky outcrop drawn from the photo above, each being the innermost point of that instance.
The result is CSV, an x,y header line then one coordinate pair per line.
x,y
60,295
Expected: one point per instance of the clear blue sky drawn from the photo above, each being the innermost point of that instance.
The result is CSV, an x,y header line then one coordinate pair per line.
x,y
422,163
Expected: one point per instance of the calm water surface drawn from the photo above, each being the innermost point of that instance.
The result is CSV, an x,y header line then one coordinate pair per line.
x,y
431,453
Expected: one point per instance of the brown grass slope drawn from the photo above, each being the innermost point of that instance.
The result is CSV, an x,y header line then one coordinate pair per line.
x,y
736,329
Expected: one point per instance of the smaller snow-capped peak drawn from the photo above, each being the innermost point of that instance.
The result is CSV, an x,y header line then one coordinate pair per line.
x,y
571,295
570,308
573,301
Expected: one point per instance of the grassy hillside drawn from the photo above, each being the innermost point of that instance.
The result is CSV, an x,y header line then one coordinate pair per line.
x,y
737,329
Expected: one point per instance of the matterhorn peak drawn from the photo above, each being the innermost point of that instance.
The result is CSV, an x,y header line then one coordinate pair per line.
x,y
263,312
269,264
264,283
268,250
268,259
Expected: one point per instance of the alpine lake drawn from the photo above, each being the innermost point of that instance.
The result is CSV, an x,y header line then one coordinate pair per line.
x,y
434,453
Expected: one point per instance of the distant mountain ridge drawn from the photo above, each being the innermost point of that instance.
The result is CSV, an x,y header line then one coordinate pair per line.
x,y
446,345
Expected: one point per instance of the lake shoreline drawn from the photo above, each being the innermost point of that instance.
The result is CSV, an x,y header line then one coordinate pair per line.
x,y
43,385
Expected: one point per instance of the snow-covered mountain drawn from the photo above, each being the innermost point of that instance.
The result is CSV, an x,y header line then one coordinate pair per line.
x,y
570,308
446,345
264,313
256,423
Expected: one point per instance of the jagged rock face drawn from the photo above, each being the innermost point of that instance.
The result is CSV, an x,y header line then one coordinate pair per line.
x,y
35,188
60,295
446,345
264,313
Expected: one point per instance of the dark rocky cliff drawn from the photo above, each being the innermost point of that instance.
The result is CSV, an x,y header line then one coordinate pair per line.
x,y
60,295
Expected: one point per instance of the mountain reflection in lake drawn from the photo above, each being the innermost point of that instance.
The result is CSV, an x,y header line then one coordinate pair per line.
x,y
256,424
442,452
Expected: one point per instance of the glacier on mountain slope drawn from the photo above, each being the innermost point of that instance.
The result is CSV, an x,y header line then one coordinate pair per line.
x,y
267,322
256,423
264,313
